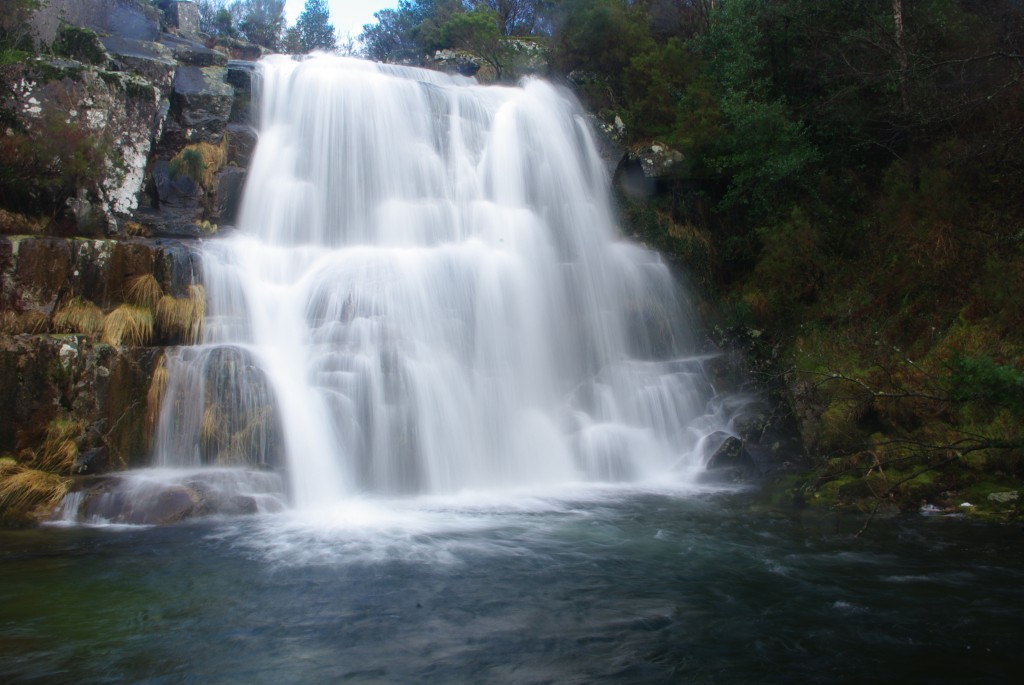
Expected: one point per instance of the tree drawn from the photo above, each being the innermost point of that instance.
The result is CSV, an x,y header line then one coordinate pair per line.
x,y
513,17
262,21
477,32
315,29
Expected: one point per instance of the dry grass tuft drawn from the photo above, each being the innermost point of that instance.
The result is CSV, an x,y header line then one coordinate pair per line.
x,y
155,394
246,441
144,291
128,323
9,323
201,162
134,228
79,316
211,430
35,322
60,449
14,323
24,490
183,316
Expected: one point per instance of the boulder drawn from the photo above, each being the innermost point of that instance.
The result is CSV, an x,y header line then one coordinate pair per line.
x,y
152,61
455,61
183,16
658,160
190,52
201,102
152,496
731,463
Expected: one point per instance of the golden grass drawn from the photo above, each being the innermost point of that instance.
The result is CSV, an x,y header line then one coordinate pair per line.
x,y
134,228
144,291
128,323
13,323
8,322
244,442
183,316
201,162
24,490
59,449
211,433
79,316
155,394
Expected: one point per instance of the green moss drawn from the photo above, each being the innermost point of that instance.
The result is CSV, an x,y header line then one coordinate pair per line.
x,y
81,44
57,70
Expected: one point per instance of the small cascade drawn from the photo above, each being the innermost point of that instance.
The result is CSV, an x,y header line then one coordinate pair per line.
x,y
427,293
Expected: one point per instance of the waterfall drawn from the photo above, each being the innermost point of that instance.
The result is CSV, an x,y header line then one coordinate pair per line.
x,y
427,293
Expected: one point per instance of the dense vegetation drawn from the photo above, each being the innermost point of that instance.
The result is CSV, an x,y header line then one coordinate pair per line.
x,y
851,201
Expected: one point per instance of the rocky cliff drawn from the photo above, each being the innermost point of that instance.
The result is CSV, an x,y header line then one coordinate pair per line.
x,y
125,138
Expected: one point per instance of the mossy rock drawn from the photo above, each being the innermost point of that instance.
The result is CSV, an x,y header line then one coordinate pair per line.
x,y
81,44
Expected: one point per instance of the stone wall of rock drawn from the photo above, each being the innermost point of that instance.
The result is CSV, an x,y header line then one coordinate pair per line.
x,y
53,367
144,108
148,122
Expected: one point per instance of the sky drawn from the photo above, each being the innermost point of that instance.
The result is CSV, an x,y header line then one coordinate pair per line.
x,y
348,16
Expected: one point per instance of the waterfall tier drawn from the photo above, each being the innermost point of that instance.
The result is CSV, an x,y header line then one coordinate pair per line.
x,y
427,293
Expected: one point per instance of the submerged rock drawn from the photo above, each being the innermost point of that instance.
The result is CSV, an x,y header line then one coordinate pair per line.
x,y
156,496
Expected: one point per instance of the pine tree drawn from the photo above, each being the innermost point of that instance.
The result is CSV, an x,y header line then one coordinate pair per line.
x,y
315,29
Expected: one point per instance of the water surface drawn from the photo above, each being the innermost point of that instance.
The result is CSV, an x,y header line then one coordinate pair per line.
x,y
598,586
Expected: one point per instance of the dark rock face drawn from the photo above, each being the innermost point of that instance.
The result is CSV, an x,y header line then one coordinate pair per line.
x,y
43,376
128,18
230,183
731,463
152,61
201,102
103,122
242,140
42,273
193,53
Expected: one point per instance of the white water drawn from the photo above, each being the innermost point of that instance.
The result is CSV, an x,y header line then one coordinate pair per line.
x,y
427,294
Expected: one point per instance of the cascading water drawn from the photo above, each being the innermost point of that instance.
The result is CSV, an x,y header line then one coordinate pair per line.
x,y
427,294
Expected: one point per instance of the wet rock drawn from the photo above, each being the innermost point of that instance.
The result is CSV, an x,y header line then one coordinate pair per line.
x,y
242,140
731,463
154,496
114,499
91,461
608,140
240,78
42,273
230,184
201,103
